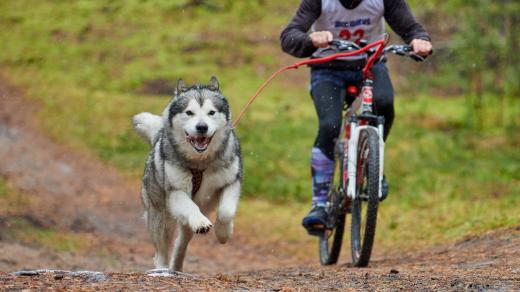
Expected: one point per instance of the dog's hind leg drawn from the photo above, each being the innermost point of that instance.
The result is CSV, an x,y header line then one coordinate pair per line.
x,y
180,248
226,212
161,230
183,208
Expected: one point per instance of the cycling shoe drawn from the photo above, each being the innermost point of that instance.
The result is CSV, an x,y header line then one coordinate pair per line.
x,y
316,220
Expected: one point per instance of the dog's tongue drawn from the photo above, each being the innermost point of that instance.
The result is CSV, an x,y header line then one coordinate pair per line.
x,y
201,140
200,143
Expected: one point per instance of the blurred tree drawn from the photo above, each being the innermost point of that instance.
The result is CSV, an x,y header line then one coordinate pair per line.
x,y
512,36
487,53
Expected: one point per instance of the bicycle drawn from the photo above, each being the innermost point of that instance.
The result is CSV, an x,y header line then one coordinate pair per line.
x,y
359,160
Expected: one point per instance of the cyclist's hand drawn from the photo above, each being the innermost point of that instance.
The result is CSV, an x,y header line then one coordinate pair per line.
x,y
321,39
421,48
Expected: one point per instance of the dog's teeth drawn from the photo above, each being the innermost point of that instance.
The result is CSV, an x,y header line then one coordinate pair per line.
x,y
199,143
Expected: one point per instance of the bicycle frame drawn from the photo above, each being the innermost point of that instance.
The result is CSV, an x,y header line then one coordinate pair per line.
x,y
358,118
359,185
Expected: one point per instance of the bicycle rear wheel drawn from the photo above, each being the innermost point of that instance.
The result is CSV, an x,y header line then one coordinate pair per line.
x,y
331,241
332,238
364,207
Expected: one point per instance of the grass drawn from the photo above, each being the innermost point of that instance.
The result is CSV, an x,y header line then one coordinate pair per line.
x,y
87,65
11,201
15,225
23,230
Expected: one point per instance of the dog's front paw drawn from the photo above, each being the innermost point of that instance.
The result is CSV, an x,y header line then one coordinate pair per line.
x,y
201,225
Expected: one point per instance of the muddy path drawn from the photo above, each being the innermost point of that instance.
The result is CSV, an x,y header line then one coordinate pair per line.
x,y
489,262
74,193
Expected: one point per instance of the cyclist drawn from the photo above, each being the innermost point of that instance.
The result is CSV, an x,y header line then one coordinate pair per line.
x,y
351,20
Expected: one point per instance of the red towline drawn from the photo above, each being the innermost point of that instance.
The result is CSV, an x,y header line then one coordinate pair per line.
x,y
366,70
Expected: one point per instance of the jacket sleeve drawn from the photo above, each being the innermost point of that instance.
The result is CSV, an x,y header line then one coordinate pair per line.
x,y
400,18
294,38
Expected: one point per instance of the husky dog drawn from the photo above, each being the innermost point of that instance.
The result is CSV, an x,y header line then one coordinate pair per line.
x,y
194,166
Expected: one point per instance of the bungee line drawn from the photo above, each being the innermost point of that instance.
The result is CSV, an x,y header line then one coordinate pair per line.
x,y
380,44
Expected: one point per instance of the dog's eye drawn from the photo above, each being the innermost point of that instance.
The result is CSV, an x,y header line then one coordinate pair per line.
x,y
189,113
211,113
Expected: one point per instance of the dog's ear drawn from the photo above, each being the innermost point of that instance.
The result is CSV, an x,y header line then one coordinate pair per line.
x,y
213,84
180,86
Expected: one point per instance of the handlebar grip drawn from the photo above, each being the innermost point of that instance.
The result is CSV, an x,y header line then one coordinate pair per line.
x,y
417,58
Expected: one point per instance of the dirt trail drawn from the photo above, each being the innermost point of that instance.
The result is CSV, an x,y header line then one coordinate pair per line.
x,y
74,192
490,262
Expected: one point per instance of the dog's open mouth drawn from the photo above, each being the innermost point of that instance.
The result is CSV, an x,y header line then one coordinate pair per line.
x,y
199,143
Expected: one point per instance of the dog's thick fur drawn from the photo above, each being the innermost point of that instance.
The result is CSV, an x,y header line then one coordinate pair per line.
x,y
193,135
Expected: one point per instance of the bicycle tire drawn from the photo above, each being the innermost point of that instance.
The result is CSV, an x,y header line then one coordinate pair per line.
x,y
329,251
332,238
367,194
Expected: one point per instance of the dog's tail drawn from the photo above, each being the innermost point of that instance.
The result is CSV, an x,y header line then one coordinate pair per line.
x,y
147,125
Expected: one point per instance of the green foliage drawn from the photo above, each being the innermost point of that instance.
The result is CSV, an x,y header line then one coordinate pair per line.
x,y
16,226
479,53
21,229
484,39
89,64
488,37
11,201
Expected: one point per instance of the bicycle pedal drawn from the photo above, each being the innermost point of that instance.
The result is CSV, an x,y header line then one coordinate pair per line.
x,y
316,232
315,229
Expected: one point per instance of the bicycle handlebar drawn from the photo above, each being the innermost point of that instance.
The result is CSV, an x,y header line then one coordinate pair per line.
x,y
401,50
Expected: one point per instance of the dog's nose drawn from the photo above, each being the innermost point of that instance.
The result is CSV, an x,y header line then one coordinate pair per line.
x,y
202,128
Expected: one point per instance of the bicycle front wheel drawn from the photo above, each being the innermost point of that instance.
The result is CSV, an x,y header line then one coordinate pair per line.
x,y
364,207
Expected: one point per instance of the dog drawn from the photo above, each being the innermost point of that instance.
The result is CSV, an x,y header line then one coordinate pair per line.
x,y
194,166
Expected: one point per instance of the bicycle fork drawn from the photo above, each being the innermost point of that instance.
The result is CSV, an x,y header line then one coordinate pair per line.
x,y
353,155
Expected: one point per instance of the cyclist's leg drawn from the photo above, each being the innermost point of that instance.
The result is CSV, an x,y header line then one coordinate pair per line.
x,y
383,95
328,97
